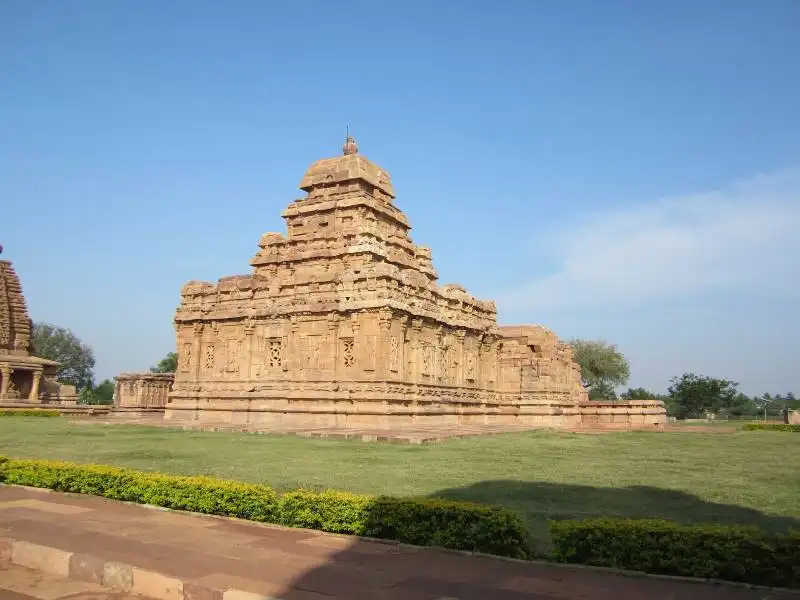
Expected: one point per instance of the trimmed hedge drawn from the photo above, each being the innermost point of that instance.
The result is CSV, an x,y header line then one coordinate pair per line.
x,y
420,521
706,551
195,494
654,546
28,412
442,523
771,427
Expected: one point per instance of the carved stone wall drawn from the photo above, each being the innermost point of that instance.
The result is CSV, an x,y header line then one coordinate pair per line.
x,y
142,390
342,322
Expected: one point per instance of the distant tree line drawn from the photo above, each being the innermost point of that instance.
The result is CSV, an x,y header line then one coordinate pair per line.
x,y
693,396
690,396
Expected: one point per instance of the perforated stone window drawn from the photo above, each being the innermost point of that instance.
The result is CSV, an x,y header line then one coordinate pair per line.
x,y
275,353
348,353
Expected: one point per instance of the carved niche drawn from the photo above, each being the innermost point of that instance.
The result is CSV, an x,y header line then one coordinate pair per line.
x,y
394,353
186,356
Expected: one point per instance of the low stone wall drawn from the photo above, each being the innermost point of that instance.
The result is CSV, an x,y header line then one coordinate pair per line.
x,y
628,414
142,390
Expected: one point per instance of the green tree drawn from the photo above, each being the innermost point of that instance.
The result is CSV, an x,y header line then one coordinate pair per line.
x,y
104,392
63,346
641,393
694,396
87,396
742,405
168,364
603,367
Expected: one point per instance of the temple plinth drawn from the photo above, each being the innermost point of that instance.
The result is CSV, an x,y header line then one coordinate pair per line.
x,y
342,323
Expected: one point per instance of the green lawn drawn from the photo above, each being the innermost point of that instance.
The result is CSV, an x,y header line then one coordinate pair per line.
x,y
740,477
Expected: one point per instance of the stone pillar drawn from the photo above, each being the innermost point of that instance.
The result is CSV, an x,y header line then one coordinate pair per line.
x,y
483,364
384,345
246,360
460,334
357,344
5,381
197,349
292,357
401,349
416,350
333,344
33,396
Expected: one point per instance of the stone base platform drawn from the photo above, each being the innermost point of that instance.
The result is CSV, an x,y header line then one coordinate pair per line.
x,y
417,435
136,412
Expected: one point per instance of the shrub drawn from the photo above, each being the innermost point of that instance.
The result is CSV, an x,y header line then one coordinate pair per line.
x,y
706,551
196,494
771,427
443,523
420,521
28,412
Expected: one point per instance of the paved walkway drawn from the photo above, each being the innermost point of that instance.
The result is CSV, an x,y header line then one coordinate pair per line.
x,y
20,583
218,554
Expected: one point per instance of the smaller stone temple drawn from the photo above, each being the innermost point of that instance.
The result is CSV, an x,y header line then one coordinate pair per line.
x,y
24,378
137,394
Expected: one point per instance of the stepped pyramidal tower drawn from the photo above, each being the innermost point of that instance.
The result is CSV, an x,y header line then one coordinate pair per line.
x,y
342,323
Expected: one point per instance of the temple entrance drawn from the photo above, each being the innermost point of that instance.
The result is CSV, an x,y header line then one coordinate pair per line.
x,y
21,384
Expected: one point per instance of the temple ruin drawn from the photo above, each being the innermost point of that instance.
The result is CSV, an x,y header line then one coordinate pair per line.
x,y
24,378
342,323
138,394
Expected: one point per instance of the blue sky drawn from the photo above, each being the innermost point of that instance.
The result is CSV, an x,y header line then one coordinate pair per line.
x,y
621,170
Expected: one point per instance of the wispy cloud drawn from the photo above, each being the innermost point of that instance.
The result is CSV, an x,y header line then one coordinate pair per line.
x,y
744,238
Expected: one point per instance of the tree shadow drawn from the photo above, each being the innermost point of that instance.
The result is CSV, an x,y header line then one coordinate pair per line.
x,y
364,569
539,501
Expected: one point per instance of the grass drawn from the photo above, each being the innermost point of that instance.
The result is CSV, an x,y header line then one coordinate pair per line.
x,y
747,478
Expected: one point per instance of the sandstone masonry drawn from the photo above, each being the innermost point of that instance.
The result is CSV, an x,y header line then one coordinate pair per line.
x,y
342,323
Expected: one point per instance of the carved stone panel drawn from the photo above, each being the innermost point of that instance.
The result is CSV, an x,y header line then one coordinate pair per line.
x,y
469,367
310,351
370,352
232,348
441,367
186,357
394,354
427,359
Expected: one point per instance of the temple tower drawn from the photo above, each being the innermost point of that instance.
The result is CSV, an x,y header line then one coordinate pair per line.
x,y
342,322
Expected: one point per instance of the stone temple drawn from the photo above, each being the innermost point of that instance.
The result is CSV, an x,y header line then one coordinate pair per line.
x,y
23,378
343,324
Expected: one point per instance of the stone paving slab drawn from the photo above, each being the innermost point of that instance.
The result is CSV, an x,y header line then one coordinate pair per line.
x,y
170,555
22,583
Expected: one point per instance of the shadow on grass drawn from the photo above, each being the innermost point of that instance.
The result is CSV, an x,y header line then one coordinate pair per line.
x,y
362,569
539,501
